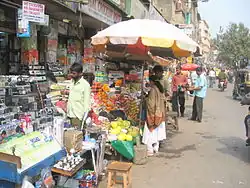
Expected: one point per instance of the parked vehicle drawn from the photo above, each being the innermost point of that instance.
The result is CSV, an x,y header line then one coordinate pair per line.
x,y
242,83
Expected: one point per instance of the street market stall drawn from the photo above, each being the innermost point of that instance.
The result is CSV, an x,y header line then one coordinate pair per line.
x,y
38,124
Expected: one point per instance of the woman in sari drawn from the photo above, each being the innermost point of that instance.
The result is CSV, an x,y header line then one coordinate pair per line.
x,y
154,129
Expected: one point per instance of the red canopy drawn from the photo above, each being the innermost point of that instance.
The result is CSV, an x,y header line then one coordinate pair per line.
x,y
189,67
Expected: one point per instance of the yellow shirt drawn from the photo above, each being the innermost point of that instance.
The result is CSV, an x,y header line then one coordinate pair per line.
x,y
79,99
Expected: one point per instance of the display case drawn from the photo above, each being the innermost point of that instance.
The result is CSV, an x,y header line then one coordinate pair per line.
x,y
26,155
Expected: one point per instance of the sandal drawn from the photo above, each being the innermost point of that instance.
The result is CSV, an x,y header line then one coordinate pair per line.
x,y
150,154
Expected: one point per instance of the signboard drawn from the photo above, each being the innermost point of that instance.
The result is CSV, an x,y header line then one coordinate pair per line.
x,y
138,10
33,12
154,14
46,21
23,26
186,28
102,11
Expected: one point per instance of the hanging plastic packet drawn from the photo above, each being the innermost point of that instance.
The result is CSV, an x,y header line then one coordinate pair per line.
x,y
26,183
47,178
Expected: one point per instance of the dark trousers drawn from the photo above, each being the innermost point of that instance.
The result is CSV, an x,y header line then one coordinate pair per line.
x,y
197,108
178,98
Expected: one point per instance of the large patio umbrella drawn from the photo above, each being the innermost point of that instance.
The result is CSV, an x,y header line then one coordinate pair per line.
x,y
142,36
189,67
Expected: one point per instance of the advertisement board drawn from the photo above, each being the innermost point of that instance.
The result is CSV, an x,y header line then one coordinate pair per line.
x,y
102,11
33,12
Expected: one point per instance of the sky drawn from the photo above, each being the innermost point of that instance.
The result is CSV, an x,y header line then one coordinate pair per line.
x,y
222,12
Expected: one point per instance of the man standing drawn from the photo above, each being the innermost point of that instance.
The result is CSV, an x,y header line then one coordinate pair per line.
x,y
200,89
212,77
158,71
79,96
179,83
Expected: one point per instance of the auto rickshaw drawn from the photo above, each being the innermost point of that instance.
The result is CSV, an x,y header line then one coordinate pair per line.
x,y
242,83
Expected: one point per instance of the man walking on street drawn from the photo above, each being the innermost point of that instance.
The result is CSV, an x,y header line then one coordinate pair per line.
x,y
179,83
200,89
212,78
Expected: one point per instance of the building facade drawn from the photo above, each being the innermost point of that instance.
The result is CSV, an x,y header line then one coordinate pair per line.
x,y
204,38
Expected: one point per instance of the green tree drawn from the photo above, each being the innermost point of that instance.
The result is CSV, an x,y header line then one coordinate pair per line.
x,y
234,44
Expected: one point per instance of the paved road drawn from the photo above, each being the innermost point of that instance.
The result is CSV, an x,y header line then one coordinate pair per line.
x,y
207,155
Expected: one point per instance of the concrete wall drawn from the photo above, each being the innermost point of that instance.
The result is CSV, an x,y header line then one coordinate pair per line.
x,y
165,7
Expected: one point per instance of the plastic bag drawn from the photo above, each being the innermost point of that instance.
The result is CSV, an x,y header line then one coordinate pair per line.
x,y
125,148
26,183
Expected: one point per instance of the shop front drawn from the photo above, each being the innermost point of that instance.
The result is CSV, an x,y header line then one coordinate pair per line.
x,y
9,43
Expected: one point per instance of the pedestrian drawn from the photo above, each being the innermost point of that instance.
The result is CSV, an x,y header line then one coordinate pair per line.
x,y
79,96
179,83
193,77
158,71
155,128
200,89
247,127
212,77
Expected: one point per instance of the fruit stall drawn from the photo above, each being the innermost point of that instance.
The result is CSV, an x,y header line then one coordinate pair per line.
x,y
116,106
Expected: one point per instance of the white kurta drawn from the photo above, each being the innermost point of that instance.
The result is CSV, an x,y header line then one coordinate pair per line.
x,y
153,138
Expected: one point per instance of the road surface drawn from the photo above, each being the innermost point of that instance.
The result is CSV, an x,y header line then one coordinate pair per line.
x,y
211,154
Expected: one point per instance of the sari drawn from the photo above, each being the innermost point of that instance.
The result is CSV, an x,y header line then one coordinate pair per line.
x,y
155,108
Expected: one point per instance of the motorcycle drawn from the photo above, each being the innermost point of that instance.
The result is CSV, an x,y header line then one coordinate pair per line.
x,y
222,85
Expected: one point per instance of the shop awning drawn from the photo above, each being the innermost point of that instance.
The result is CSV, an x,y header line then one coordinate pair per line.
x,y
162,61
10,4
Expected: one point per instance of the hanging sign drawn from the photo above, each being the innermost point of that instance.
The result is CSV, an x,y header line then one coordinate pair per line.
x,y
46,21
33,12
23,26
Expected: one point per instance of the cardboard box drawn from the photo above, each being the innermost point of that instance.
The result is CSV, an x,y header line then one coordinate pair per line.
x,y
73,139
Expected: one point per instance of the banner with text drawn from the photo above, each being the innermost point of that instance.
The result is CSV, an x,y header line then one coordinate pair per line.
x,y
33,12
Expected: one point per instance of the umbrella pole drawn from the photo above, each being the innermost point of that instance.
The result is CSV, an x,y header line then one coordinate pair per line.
x,y
142,93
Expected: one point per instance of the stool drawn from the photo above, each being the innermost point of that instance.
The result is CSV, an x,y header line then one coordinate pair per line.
x,y
122,168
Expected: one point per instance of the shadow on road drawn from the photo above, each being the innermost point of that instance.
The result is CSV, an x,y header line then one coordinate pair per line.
x,y
231,99
235,147
170,153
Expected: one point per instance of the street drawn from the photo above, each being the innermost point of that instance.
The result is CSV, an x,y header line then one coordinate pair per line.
x,y
210,154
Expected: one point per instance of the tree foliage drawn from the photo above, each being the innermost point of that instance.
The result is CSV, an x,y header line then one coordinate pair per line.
x,y
234,44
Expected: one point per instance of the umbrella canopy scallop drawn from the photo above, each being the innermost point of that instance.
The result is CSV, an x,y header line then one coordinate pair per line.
x,y
151,33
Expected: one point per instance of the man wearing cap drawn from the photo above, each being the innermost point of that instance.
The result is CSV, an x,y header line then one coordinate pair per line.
x,y
200,89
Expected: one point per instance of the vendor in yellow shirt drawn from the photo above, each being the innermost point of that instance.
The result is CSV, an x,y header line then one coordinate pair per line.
x,y
79,96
